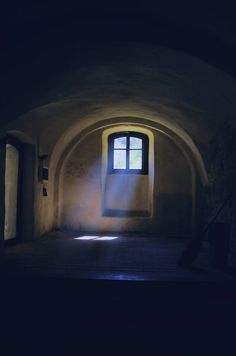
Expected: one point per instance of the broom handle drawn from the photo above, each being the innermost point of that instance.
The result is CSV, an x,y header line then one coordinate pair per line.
x,y
219,210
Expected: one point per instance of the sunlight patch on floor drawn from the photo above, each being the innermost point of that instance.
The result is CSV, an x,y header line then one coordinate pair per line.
x,y
97,238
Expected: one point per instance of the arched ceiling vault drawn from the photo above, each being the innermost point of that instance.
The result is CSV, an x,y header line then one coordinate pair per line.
x,y
125,78
41,42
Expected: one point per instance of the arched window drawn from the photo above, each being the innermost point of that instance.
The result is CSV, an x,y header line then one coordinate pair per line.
x,y
128,153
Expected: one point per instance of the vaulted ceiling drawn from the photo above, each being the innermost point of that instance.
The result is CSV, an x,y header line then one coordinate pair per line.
x,y
42,40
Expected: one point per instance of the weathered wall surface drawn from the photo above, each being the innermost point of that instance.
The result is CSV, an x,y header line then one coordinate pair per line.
x,y
127,193
81,203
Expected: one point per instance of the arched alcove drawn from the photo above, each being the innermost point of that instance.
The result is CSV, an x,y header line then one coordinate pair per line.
x,y
177,183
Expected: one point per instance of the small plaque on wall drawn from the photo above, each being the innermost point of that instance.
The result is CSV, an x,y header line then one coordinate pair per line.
x,y
45,174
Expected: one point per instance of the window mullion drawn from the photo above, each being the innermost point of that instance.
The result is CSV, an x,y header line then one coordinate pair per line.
x,y
127,152
113,153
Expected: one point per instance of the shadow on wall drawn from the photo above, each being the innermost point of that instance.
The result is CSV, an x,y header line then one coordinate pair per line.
x,y
178,207
222,175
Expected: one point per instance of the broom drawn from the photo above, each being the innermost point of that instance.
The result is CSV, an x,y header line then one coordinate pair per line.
x,y
191,252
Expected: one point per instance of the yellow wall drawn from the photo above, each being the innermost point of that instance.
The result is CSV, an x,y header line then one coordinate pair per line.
x,y
85,184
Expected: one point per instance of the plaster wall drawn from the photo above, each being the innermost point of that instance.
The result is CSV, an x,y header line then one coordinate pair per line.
x,y
82,193
125,194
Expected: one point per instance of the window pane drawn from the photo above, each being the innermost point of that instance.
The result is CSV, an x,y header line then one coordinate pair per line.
x,y
135,142
135,159
119,159
120,142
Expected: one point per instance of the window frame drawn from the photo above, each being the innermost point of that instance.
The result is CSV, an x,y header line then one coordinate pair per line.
x,y
144,149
